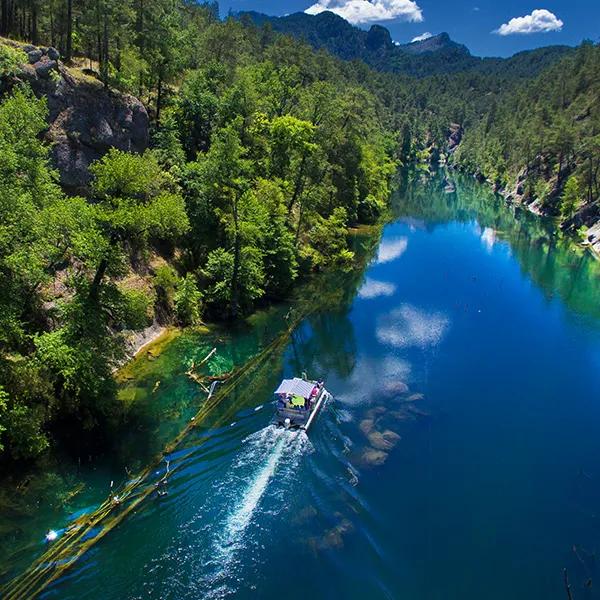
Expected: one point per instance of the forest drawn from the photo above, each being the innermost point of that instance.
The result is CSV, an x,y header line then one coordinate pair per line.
x,y
263,153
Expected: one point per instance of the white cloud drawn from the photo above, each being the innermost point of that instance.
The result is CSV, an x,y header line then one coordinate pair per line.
x,y
422,37
372,288
409,326
539,21
365,11
390,250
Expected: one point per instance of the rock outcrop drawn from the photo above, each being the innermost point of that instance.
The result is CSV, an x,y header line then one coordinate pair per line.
x,y
85,118
455,136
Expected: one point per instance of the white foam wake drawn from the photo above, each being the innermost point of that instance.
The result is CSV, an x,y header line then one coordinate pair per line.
x,y
276,452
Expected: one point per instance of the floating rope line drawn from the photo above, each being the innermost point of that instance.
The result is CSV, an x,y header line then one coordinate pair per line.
x,y
86,530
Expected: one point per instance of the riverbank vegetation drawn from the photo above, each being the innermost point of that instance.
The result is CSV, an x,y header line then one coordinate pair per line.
x,y
540,141
263,153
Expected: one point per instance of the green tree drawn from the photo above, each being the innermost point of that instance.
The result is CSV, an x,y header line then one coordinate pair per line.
x,y
571,198
187,301
136,200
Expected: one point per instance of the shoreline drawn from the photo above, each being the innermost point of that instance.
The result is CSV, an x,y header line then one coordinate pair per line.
x,y
138,341
593,247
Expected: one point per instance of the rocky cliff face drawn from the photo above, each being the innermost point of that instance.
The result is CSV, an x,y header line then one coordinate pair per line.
x,y
85,118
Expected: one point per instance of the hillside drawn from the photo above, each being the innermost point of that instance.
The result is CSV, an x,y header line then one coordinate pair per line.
x,y
261,155
539,142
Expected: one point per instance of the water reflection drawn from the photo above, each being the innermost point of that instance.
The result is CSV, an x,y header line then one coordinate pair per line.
x,y
391,250
552,261
408,325
372,288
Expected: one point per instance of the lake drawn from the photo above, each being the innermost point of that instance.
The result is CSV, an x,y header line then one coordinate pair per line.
x,y
460,457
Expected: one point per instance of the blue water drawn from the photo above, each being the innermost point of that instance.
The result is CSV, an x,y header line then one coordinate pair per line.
x,y
459,459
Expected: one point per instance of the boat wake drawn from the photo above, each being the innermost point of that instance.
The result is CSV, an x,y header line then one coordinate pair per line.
x,y
268,453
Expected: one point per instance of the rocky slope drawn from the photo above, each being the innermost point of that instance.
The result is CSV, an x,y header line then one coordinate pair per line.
x,y
85,118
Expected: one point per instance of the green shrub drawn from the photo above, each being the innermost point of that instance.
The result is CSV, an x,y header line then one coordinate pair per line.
x,y
166,279
187,301
136,309
165,283
10,60
571,198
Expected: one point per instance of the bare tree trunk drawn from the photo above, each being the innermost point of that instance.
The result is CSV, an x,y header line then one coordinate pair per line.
x,y
3,17
52,29
69,48
299,186
98,277
98,35
105,57
34,22
140,41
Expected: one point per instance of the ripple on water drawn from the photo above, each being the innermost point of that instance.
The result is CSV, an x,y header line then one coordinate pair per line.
x,y
225,528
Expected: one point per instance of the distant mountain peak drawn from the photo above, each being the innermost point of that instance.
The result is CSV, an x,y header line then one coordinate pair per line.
x,y
441,41
378,37
428,56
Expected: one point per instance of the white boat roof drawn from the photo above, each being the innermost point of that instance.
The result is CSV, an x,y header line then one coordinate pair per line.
x,y
295,386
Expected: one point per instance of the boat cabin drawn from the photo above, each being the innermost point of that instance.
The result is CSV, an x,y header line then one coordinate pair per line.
x,y
297,402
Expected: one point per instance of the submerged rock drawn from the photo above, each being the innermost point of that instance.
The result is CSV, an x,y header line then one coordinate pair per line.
x,y
418,411
394,388
367,425
305,514
383,441
333,538
402,415
376,411
373,457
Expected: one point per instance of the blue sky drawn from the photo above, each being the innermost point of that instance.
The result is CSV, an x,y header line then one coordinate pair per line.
x,y
487,27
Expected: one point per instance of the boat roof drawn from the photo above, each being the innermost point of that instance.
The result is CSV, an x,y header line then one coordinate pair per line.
x,y
296,387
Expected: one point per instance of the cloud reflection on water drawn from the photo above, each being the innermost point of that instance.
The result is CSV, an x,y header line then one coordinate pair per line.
x,y
390,250
408,326
372,288
370,376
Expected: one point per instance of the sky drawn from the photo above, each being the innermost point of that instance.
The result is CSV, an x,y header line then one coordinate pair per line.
x,y
486,27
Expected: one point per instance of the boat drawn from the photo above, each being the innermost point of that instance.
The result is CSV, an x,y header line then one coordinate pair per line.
x,y
298,401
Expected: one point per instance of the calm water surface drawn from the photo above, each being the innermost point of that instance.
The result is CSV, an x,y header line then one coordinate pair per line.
x,y
460,458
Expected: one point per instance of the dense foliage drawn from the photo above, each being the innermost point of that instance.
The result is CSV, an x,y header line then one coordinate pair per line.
x,y
263,154
542,138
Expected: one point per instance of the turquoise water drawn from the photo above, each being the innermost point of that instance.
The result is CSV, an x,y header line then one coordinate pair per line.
x,y
460,458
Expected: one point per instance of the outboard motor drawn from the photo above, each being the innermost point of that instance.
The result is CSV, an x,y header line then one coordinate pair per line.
x,y
287,423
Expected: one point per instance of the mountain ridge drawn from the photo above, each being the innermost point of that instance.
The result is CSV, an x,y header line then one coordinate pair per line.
x,y
435,55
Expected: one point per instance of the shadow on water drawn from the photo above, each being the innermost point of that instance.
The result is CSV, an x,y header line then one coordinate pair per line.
x,y
160,399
